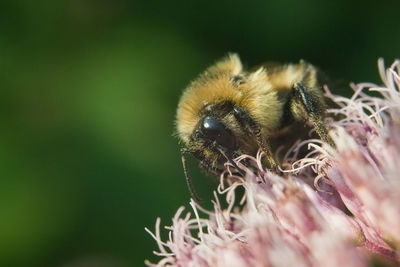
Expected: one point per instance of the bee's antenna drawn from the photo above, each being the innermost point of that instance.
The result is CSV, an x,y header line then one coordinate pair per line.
x,y
188,179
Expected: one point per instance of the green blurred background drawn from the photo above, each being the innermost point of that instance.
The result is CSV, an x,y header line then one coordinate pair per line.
x,y
88,97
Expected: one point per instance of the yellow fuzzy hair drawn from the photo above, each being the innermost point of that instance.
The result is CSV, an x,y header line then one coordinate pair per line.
x,y
258,94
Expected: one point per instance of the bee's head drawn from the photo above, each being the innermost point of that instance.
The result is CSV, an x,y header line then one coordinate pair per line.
x,y
212,143
219,136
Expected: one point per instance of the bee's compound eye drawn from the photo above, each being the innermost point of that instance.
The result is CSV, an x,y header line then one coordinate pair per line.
x,y
214,130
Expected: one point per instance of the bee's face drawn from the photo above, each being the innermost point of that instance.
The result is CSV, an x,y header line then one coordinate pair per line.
x,y
219,137
214,141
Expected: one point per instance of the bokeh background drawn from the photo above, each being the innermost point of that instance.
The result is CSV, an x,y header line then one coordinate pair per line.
x,y
88,97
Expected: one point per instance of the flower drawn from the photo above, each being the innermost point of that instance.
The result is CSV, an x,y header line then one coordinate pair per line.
x,y
349,215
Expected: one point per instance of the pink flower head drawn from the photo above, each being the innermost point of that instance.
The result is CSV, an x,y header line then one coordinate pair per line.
x,y
347,215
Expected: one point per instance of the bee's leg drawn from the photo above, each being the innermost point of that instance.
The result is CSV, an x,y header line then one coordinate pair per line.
x,y
189,183
252,128
310,105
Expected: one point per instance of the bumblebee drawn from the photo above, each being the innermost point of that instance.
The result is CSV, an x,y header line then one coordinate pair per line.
x,y
228,111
